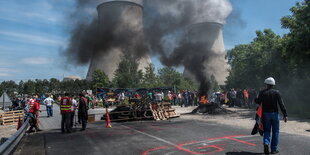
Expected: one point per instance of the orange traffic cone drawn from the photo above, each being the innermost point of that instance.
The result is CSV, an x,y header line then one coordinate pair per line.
x,y
108,119
19,124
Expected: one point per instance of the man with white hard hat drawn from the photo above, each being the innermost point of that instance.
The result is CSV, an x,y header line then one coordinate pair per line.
x,y
270,98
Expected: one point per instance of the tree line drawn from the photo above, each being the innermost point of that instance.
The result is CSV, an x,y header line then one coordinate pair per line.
x,y
127,75
286,58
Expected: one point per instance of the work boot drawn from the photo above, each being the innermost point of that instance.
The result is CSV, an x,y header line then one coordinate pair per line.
x,y
266,149
275,152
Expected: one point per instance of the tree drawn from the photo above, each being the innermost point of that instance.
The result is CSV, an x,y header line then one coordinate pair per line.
x,y
127,74
20,88
100,80
298,39
9,87
252,63
29,87
169,76
150,79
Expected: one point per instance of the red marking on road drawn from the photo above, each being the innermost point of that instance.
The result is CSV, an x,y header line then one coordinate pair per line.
x,y
154,149
234,139
217,147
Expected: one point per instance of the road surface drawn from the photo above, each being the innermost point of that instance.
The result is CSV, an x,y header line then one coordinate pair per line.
x,y
175,137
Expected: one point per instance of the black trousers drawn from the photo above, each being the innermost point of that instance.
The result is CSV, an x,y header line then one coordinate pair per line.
x,y
72,118
33,122
66,122
83,118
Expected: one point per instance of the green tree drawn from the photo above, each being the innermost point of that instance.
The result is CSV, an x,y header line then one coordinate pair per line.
x,y
298,39
252,63
169,76
150,79
9,87
54,86
127,74
20,88
100,80
30,87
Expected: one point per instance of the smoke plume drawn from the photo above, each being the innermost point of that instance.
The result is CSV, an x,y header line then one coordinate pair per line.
x,y
89,41
166,28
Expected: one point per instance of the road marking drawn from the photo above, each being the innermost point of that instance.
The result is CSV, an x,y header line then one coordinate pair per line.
x,y
157,138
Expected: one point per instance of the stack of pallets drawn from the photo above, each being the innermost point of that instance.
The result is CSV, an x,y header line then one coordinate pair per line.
x,y
11,117
163,111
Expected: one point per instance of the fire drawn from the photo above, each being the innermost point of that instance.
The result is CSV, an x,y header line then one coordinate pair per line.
x,y
204,100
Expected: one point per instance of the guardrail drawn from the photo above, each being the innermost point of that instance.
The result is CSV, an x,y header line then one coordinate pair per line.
x,y
10,144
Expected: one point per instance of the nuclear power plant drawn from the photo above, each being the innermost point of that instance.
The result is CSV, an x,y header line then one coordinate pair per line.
x,y
210,35
127,16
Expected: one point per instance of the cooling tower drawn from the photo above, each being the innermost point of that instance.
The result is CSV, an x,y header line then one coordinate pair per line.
x,y
123,16
210,35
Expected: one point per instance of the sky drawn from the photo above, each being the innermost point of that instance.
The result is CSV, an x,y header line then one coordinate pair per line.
x,y
32,33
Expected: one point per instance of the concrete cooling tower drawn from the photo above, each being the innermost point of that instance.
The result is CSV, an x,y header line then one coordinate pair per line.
x,y
210,35
122,16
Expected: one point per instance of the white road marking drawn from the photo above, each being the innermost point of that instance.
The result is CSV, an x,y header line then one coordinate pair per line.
x,y
157,138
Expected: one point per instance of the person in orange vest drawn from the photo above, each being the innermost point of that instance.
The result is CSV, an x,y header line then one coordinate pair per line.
x,y
246,98
33,115
65,109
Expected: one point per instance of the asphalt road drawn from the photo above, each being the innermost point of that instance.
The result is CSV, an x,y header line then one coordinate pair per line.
x,y
175,137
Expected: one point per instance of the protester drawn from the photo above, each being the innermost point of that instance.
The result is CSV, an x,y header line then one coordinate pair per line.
x,y
74,106
65,108
270,98
49,106
180,99
34,108
83,111
233,97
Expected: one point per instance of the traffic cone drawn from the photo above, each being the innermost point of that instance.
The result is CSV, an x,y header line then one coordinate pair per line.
x,y
19,124
108,119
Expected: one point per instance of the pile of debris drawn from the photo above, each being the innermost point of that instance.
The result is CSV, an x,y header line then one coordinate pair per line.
x,y
142,109
211,108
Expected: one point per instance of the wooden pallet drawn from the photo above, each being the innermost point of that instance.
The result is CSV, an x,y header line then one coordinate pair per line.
x,y
11,117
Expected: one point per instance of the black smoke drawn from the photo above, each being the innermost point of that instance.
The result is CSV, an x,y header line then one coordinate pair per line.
x,y
90,40
165,30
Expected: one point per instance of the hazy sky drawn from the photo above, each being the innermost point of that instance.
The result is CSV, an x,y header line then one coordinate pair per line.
x,y
33,32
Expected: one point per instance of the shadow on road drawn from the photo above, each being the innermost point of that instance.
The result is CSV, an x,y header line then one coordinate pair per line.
x,y
243,153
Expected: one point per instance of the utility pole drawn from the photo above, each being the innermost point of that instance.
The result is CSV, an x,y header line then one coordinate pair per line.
x,y
3,101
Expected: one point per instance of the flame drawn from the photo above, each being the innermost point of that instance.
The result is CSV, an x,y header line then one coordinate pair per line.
x,y
204,100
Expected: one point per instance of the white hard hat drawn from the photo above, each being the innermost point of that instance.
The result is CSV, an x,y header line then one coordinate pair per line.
x,y
270,81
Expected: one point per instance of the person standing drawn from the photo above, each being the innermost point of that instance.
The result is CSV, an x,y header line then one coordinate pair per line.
x,y
73,109
33,115
83,111
49,106
270,98
65,108
233,97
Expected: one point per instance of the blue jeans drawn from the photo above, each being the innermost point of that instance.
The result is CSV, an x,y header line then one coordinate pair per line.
x,y
49,110
271,121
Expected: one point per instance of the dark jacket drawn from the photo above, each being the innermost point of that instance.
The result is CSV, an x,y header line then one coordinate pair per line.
x,y
270,99
83,105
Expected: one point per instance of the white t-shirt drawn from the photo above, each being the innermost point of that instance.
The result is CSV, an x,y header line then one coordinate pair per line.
x,y
49,101
74,104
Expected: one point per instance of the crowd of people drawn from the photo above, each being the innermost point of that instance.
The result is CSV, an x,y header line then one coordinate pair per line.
x,y
69,106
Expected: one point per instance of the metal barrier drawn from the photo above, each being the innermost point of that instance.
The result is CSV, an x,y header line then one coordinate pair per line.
x,y
9,145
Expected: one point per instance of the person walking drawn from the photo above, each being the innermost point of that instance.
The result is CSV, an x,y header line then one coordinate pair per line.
x,y
270,98
65,109
83,106
49,106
